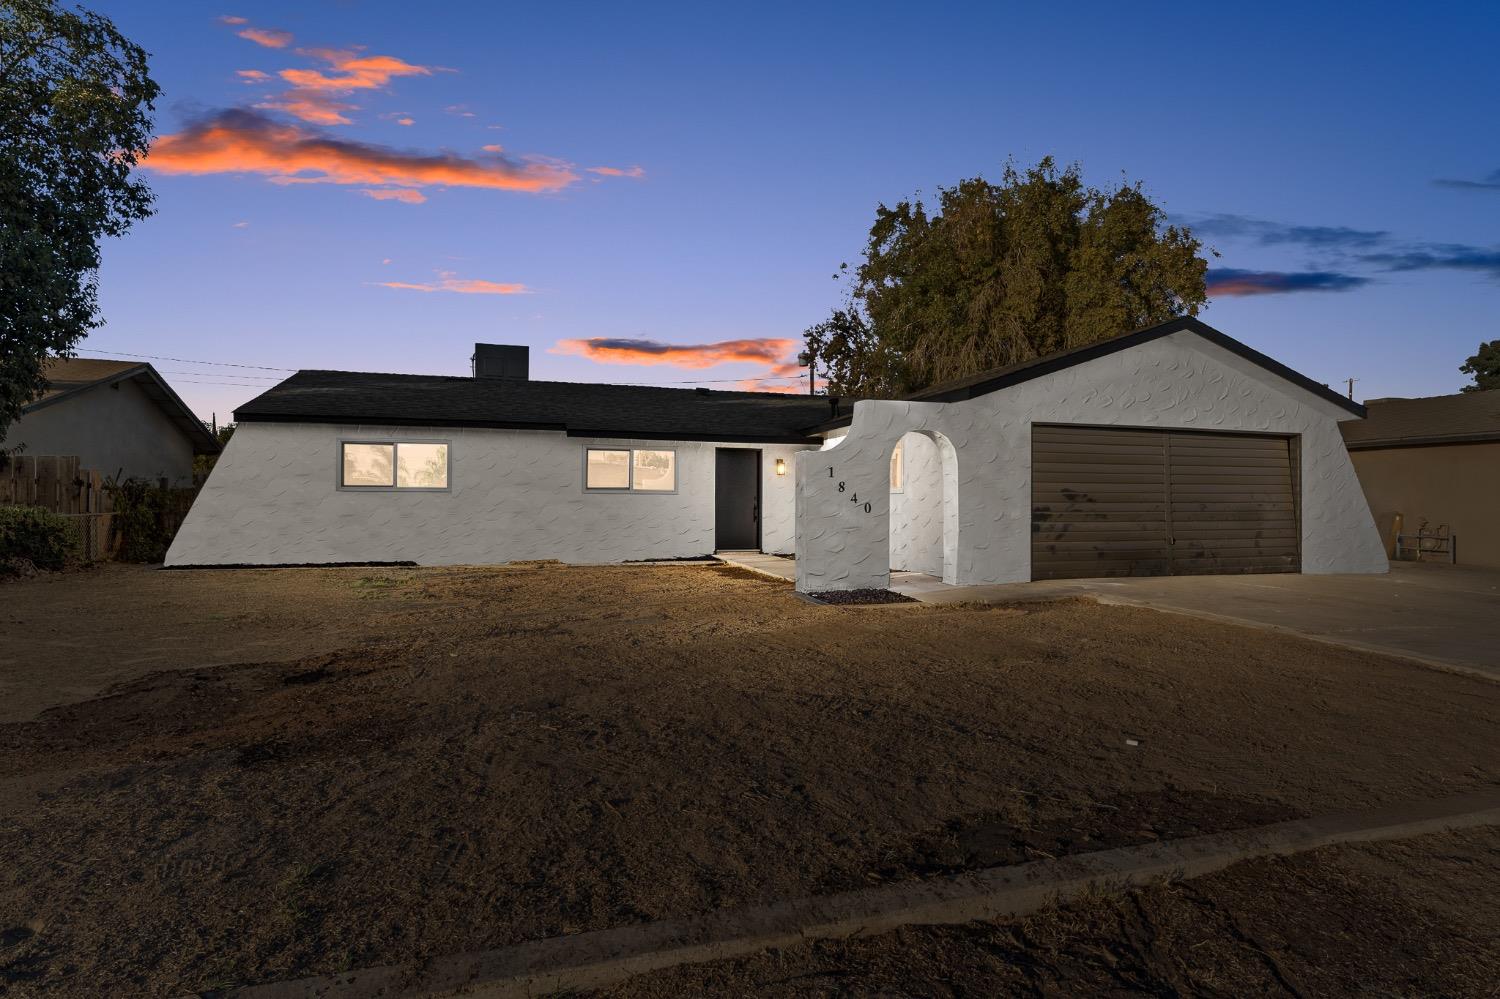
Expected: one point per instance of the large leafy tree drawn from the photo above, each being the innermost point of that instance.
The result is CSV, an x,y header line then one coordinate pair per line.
x,y
1484,366
75,103
1000,273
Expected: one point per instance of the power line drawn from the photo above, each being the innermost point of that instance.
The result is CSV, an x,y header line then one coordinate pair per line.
x,y
245,378
183,360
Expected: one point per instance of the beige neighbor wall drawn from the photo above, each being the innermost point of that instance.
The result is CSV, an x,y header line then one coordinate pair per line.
x,y
1453,484
111,428
273,498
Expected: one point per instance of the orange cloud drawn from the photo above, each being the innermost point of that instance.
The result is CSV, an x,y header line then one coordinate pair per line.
x,y
413,121
355,71
243,141
271,38
309,107
252,76
402,194
493,148
448,281
232,19
634,171
766,350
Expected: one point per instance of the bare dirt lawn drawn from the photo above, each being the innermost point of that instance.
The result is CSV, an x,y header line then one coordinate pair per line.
x,y
301,771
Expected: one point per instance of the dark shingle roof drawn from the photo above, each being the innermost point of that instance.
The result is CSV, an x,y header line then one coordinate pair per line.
x,y
580,409
1443,419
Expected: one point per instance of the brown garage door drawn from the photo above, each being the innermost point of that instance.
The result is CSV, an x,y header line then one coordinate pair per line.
x,y
1107,502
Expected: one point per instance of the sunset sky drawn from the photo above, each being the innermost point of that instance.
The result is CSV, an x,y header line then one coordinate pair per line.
x,y
376,186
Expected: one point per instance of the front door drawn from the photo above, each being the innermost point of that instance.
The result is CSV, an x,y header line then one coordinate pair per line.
x,y
736,499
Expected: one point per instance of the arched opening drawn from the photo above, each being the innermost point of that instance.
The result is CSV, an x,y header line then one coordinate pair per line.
x,y
923,526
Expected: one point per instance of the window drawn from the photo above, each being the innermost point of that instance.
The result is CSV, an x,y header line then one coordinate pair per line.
x,y
394,465
643,470
898,469
655,471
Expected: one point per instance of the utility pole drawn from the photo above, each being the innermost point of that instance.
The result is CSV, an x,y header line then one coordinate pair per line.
x,y
806,359
1351,382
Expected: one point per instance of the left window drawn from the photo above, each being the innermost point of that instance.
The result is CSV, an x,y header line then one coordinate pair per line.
x,y
394,465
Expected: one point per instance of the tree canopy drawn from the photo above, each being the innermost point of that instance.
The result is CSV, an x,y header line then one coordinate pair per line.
x,y
1001,273
75,99
1484,366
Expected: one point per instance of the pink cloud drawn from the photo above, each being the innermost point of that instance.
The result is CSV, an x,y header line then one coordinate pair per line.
x,y
402,194
608,350
244,141
406,121
271,38
252,76
232,19
448,281
607,171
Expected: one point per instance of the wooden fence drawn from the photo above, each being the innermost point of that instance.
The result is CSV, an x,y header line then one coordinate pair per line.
x,y
57,483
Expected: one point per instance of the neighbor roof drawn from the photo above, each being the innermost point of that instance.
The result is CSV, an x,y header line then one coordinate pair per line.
x,y
577,408
999,378
1444,419
68,376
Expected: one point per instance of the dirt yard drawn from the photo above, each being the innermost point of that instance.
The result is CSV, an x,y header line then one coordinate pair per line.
x,y
1418,917
241,776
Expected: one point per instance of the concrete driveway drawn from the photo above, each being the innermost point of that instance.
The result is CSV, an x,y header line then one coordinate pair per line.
x,y
1442,614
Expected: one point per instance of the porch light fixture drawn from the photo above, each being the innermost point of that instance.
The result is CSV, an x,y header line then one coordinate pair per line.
x,y
780,466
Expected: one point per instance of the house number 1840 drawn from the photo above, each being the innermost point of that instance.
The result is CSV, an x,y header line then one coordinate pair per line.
x,y
853,497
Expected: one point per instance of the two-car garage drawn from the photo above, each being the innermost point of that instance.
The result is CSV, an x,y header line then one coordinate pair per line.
x,y
1145,502
1173,450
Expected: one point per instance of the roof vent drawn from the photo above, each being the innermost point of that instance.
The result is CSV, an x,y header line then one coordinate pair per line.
x,y
499,360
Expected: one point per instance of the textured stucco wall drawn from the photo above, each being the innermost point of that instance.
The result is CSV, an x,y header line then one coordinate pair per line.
x,y
110,428
272,498
1177,381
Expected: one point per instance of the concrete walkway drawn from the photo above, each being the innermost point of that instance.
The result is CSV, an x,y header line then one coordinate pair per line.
x,y
1442,614
768,565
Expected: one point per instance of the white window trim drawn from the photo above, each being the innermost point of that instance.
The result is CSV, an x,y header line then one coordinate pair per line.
x,y
338,458
631,489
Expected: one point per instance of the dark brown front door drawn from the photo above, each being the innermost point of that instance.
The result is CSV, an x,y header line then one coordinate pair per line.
x,y
1128,502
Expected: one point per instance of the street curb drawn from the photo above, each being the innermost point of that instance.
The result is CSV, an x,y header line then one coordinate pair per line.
x,y
604,957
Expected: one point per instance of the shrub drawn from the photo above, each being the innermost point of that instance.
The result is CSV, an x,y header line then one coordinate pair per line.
x,y
47,539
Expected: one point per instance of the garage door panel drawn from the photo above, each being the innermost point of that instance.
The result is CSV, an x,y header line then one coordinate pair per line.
x,y
1111,502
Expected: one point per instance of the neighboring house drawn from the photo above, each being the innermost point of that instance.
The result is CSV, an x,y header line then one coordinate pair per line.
x,y
1173,449
1436,461
118,417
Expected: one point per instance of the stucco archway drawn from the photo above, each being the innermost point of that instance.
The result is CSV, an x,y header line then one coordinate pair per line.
x,y
922,526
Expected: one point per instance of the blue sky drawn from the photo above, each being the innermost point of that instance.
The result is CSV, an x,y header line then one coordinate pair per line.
x,y
745,150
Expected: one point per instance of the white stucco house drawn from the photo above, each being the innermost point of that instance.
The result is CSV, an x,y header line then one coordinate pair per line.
x,y
119,418
1174,449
